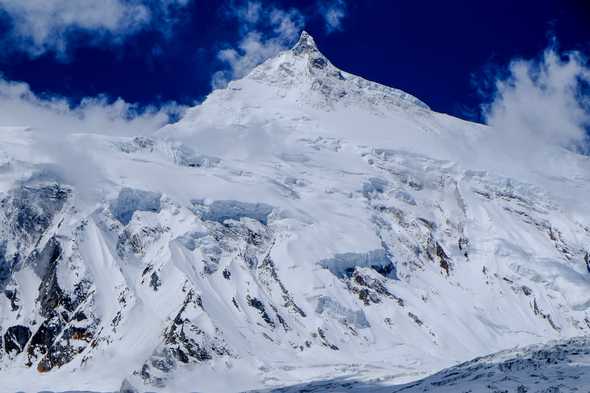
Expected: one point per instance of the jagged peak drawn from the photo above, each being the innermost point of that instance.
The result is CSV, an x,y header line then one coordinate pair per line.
x,y
306,44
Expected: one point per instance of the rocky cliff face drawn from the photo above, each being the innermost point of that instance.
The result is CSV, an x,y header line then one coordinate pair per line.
x,y
302,223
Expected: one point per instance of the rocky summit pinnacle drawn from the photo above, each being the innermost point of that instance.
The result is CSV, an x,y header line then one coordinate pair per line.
x,y
306,44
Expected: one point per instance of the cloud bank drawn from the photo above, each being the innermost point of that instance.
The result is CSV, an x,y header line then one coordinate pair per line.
x,y
539,109
40,26
19,107
51,124
543,102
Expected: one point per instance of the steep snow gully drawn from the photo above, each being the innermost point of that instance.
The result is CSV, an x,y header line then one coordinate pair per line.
x,y
301,225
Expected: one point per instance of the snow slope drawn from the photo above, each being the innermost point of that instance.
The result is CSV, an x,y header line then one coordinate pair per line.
x,y
559,366
301,224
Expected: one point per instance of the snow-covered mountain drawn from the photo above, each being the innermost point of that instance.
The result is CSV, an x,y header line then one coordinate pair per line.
x,y
301,224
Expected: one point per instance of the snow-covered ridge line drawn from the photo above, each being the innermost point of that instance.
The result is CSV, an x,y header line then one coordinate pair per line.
x,y
562,366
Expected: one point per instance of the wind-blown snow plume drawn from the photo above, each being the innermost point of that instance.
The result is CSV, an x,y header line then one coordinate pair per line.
x,y
42,26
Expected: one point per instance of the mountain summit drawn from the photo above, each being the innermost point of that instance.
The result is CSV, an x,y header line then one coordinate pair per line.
x,y
306,44
303,223
306,70
299,80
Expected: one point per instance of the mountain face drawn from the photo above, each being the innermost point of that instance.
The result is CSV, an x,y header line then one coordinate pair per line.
x,y
302,223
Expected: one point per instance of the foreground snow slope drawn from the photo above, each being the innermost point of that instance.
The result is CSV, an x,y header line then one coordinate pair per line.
x,y
559,366
301,224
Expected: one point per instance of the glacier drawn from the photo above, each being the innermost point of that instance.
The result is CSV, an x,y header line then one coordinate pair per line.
x,y
302,224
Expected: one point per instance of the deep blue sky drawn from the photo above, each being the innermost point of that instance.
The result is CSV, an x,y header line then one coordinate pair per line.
x,y
431,49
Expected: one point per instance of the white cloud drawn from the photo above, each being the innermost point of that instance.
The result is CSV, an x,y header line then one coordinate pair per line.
x,y
541,103
39,26
333,12
52,123
249,14
538,112
286,24
19,107
265,32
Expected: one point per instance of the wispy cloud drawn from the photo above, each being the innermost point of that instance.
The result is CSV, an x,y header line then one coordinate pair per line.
x,y
37,27
265,32
333,12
